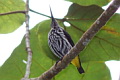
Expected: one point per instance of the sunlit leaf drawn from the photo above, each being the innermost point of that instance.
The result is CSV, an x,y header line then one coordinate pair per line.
x,y
9,23
90,2
14,67
105,45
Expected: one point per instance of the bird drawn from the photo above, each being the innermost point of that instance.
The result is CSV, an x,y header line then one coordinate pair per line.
x,y
60,42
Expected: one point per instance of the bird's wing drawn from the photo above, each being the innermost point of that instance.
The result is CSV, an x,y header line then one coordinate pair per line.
x,y
69,38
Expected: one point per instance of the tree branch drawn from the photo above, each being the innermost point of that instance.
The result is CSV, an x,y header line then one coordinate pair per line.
x,y
27,38
82,43
13,12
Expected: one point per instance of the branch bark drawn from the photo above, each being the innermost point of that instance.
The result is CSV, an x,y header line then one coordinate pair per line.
x,y
12,12
82,43
27,38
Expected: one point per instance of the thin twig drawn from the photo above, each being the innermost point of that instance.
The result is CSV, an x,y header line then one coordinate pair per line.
x,y
46,15
12,12
40,13
60,19
28,42
27,37
82,43
119,76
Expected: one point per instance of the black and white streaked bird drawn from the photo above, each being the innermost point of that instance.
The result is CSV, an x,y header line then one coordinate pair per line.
x,y
60,43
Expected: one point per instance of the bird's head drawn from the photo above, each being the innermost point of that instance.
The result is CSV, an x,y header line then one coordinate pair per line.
x,y
54,23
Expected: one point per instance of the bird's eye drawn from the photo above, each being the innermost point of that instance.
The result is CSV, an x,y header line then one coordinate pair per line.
x,y
60,30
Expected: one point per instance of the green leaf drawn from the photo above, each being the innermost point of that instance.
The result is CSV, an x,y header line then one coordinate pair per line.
x,y
91,2
105,45
93,71
9,23
14,68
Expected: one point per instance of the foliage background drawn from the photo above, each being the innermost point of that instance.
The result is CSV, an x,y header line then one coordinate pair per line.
x,y
104,46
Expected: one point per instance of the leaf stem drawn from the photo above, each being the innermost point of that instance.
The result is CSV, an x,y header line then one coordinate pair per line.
x,y
40,13
12,12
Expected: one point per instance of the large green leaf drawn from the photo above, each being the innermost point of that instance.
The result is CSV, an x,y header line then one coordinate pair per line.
x,y
105,45
93,71
14,68
91,2
9,23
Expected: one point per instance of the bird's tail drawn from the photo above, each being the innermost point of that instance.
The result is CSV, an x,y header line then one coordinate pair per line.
x,y
81,70
76,62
